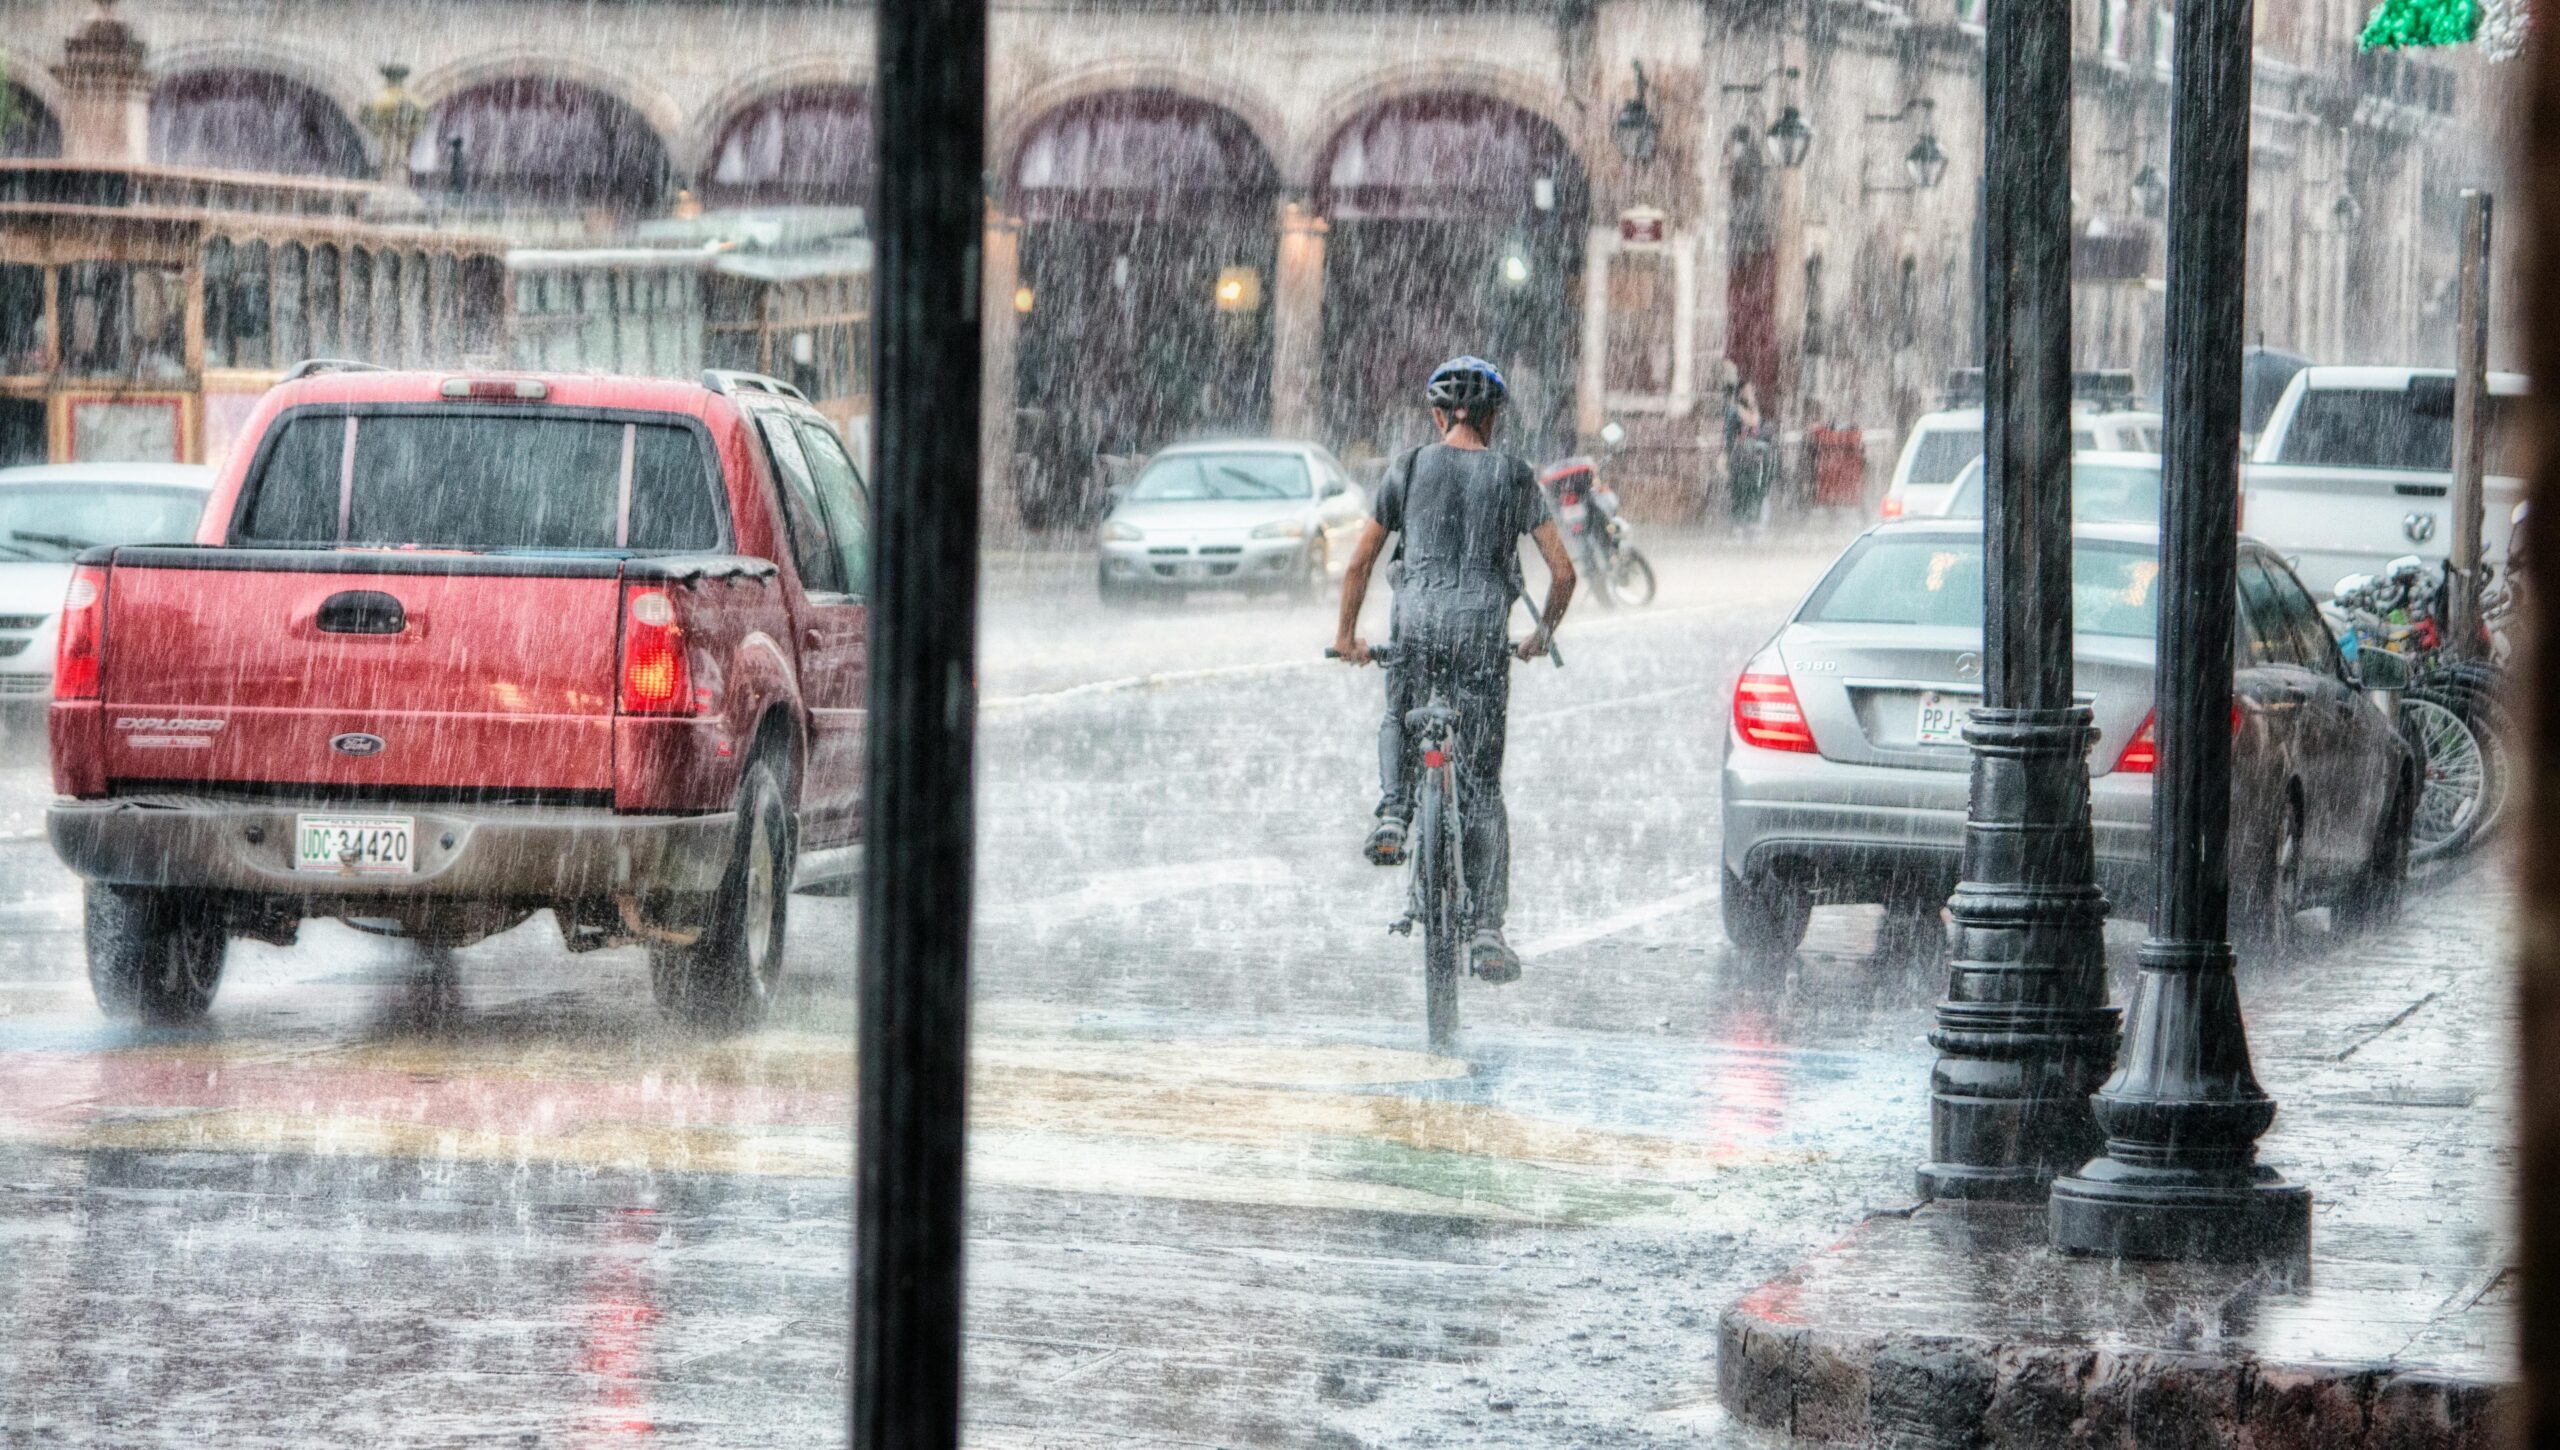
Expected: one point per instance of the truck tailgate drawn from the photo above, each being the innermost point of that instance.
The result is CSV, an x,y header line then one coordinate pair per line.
x,y
2335,521
447,674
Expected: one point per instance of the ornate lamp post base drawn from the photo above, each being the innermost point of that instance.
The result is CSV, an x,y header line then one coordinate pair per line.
x,y
2120,1211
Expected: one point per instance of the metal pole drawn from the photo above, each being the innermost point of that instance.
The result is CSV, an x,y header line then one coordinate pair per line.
x,y
2025,1033
914,993
2470,421
2179,1178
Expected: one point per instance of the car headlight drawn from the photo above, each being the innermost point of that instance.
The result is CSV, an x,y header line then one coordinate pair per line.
x,y
1281,529
1120,533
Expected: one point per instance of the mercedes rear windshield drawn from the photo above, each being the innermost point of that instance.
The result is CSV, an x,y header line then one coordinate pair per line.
x,y
1935,579
482,481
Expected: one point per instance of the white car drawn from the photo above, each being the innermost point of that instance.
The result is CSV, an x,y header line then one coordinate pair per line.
x,y
2355,469
1942,444
1255,516
48,515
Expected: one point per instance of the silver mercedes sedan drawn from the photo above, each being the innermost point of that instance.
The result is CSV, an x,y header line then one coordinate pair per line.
x,y
1258,516
1846,773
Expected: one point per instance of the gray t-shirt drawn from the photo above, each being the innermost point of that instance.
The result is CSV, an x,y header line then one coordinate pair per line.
x,y
1461,512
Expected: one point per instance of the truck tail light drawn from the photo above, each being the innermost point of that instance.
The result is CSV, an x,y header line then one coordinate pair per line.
x,y
655,678
2142,753
1892,508
84,635
1766,711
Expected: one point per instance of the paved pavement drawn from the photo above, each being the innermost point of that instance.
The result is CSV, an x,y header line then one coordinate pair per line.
x,y
1221,1193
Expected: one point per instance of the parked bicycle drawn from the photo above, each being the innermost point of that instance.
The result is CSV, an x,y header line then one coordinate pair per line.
x,y
2453,710
1436,894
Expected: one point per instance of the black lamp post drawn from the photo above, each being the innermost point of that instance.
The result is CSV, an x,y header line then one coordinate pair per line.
x,y
913,981
2024,1034
2180,1177
1637,129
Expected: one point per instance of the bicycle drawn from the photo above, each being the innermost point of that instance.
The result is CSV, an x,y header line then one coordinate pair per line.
x,y
1436,892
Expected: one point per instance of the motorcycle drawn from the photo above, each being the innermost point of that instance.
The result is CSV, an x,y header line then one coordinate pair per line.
x,y
2453,711
1601,537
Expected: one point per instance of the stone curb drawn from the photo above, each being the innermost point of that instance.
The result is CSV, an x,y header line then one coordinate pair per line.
x,y
1957,1392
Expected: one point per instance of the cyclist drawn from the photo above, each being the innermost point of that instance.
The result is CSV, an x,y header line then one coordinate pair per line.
x,y
1460,507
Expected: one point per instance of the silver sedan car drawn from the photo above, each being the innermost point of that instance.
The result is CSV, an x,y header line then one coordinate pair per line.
x,y
1846,773
1263,516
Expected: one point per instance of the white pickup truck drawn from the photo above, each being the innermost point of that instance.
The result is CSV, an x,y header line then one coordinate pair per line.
x,y
2355,466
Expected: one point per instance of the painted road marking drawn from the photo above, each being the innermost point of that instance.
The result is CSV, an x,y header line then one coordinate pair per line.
x,y
1589,707
1627,920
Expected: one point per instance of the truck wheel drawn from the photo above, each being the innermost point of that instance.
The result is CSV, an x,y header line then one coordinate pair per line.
x,y
726,978
151,955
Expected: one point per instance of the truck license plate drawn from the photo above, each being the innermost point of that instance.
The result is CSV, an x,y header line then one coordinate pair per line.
x,y
355,845
1942,718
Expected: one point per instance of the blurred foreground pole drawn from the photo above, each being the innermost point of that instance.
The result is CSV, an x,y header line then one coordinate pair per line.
x,y
2025,1033
2537,857
2180,1177
914,995
2470,422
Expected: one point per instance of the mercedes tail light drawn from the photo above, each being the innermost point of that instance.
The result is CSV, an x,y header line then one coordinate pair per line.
x,y
2142,753
655,678
1768,715
84,635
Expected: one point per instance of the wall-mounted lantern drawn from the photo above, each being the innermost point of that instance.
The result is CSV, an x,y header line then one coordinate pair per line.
x,y
1789,137
1637,128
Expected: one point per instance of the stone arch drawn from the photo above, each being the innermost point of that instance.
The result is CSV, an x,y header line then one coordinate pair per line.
x,y
1140,153
1015,122
693,144
32,78
232,118
799,144
30,127
537,138
346,87
1307,144
664,116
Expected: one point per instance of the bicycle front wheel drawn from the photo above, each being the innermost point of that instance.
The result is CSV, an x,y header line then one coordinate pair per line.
x,y
1436,866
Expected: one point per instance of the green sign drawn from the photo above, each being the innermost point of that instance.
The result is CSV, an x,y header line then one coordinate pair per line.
x,y
2398,23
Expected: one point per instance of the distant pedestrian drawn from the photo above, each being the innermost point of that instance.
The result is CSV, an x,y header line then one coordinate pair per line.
x,y
1746,457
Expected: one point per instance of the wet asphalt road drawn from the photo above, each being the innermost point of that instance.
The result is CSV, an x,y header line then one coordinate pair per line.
x,y
1221,1193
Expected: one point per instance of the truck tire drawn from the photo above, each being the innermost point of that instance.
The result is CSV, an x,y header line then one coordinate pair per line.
x,y
726,978
152,956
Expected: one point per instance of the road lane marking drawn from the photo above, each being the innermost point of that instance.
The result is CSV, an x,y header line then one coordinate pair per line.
x,y
1587,707
1627,920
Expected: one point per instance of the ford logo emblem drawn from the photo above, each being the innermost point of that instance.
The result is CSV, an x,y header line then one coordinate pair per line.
x,y
358,743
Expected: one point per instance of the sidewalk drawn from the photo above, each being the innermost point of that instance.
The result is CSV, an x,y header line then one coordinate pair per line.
x,y
2390,1061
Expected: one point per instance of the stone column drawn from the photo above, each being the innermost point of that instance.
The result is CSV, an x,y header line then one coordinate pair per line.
x,y
106,93
1297,322
1002,336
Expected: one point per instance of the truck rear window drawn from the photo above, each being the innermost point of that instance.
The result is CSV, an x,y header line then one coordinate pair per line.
x,y
481,481
2371,428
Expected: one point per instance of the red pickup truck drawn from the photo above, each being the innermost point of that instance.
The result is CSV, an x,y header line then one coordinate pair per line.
x,y
449,650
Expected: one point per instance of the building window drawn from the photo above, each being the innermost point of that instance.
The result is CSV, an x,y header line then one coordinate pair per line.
x,y
124,320
2164,37
1968,12
2115,30
293,329
22,348
323,306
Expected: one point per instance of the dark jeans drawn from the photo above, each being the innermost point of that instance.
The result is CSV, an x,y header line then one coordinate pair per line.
x,y
1471,664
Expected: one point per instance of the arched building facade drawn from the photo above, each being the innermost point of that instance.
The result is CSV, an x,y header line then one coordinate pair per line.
x,y
1207,220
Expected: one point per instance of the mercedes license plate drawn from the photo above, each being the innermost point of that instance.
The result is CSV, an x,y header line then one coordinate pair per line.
x,y
355,845
1192,571
1942,718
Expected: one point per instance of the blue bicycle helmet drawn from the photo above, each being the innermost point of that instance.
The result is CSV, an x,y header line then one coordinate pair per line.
x,y
1467,385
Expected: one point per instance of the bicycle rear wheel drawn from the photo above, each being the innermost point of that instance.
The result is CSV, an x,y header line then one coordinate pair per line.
x,y
1436,862
1630,579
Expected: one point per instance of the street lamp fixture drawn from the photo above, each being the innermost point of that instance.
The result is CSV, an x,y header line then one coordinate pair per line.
x,y
1789,137
1926,162
2151,190
1637,129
